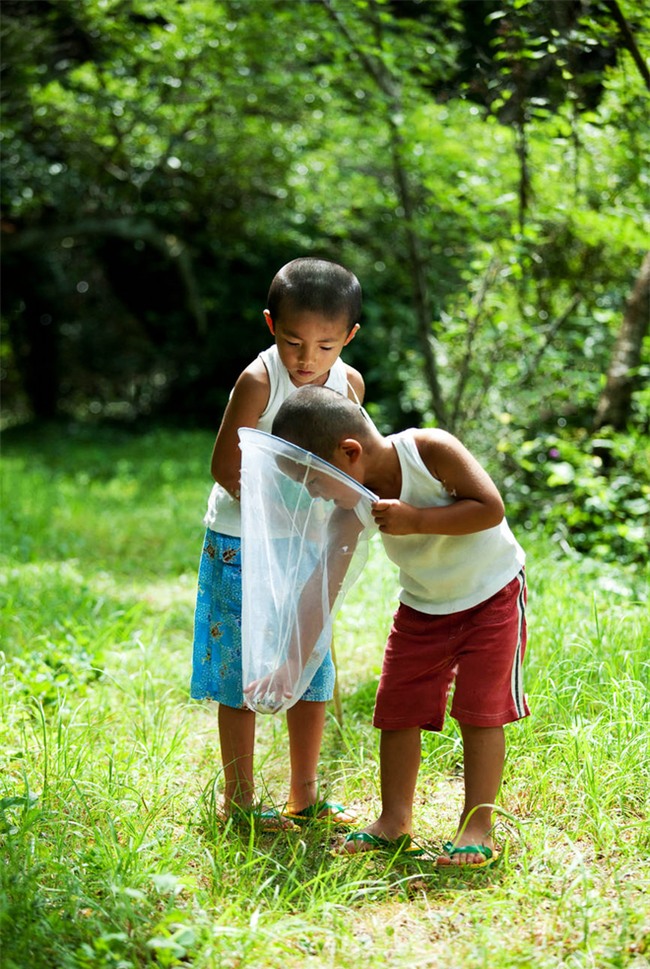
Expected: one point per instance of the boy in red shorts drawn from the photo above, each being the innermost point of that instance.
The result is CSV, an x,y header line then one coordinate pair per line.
x,y
461,617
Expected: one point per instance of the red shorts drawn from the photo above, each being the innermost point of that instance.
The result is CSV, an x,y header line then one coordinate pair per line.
x,y
480,650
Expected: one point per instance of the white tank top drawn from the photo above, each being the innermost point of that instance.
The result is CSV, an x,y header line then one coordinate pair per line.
x,y
224,512
441,574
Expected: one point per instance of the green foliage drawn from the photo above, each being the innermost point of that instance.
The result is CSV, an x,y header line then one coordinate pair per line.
x,y
162,166
590,495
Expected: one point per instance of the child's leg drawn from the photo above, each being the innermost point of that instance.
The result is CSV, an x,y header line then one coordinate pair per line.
x,y
491,644
399,752
305,724
483,757
237,739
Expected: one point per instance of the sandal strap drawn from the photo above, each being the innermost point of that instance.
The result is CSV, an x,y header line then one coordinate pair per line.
x,y
451,849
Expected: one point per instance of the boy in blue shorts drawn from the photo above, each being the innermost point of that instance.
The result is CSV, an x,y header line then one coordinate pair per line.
x,y
313,312
460,620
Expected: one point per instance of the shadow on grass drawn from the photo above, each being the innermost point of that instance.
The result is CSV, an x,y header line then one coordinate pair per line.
x,y
298,869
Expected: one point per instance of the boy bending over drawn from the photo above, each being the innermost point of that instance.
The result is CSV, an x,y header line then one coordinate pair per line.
x,y
460,618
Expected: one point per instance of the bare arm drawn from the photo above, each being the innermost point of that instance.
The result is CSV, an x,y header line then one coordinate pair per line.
x,y
343,535
355,381
477,503
247,402
344,530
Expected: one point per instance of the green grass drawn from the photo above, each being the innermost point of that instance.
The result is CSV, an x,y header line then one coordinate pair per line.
x,y
110,852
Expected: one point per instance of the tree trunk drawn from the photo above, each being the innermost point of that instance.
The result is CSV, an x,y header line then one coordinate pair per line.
x,y
615,400
34,314
390,88
421,300
38,238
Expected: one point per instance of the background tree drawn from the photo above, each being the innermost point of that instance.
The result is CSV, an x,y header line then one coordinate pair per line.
x,y
615,400
161,166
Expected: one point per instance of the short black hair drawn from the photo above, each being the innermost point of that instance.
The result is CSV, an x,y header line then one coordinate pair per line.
x,y
317,286
318,419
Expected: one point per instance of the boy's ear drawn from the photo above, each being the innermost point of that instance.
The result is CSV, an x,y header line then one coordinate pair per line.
x,y
269,322
351,334
350,449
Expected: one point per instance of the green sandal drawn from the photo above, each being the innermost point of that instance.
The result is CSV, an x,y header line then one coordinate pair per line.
x,y
267,820
322,812
373,843
489,856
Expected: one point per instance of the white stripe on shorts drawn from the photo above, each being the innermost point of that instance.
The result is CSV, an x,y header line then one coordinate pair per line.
x,y
516,679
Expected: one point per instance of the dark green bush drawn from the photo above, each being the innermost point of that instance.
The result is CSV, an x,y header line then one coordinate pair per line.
x,y
588,493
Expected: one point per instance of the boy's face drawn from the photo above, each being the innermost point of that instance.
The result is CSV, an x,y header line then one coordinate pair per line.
x,y
309,343
341,460
319,484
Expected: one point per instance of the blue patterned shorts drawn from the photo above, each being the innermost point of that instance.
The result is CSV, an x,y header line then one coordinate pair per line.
x,y
216,660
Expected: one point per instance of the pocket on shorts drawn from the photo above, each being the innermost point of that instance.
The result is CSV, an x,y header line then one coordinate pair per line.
x,y
497,607
409,621
228,571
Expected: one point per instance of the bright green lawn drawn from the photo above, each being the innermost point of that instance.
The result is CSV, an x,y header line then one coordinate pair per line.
x,y
111,856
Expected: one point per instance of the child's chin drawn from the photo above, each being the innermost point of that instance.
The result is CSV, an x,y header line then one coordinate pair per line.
x,y
347,505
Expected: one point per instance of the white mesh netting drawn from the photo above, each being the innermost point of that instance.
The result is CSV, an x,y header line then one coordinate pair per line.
x,y
305,531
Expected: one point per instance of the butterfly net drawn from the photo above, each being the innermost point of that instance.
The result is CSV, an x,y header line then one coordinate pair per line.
x,y
305,532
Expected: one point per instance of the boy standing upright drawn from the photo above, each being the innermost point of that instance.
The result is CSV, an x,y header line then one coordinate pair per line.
x,y
313,312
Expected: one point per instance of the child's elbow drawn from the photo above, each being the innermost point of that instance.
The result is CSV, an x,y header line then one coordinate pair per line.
x,y
492,512
497,512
